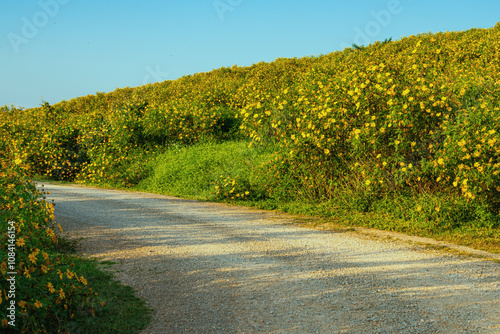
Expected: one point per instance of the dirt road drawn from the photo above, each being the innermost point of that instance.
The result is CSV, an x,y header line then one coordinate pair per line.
x,y
213,268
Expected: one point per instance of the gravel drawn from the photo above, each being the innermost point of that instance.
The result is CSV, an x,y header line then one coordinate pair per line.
x,y
214,268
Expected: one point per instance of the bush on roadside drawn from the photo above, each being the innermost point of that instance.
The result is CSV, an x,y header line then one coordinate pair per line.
x,y
49,295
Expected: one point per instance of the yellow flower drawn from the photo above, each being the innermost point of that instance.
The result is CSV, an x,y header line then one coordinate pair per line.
x,y
51,287
32,257
27,273
20,242
62,295
38,304
327,151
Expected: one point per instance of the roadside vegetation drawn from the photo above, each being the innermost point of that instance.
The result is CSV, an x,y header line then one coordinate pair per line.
x,y
54,290
398,135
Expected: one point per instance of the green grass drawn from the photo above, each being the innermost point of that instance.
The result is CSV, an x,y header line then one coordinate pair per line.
x,y
194,171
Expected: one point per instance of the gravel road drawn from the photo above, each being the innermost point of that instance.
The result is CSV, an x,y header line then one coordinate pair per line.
x,y
214,268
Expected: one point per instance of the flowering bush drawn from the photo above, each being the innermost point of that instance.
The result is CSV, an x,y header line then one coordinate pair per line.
x,y
48,294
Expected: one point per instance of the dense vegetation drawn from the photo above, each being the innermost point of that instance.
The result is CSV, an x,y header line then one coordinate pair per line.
x,y
53,291
407,130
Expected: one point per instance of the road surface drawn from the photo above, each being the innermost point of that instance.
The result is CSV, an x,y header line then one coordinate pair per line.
x,y
215,268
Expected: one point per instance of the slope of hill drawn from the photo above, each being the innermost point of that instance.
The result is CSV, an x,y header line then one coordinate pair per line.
x,y
408,128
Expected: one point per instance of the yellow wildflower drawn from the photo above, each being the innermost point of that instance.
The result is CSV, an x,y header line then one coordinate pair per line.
x,y
20,242
32,257
62,295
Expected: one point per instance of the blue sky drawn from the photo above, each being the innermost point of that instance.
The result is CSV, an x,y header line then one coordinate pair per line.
x,y
52,50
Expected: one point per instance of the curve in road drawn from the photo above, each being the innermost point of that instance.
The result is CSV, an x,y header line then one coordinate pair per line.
x,y
214,268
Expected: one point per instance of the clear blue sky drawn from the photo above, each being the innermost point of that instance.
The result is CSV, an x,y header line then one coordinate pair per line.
x,y
59,49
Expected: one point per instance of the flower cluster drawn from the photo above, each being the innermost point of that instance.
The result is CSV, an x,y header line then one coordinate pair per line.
x,y
231,188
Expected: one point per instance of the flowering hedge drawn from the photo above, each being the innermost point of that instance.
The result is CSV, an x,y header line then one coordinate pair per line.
x,y
46,292
418,115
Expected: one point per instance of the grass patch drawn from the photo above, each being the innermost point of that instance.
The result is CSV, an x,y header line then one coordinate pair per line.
x,y
195,171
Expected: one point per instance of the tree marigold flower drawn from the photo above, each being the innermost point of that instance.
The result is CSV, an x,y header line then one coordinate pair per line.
x,y
27,273
20,242
32,257
51,287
